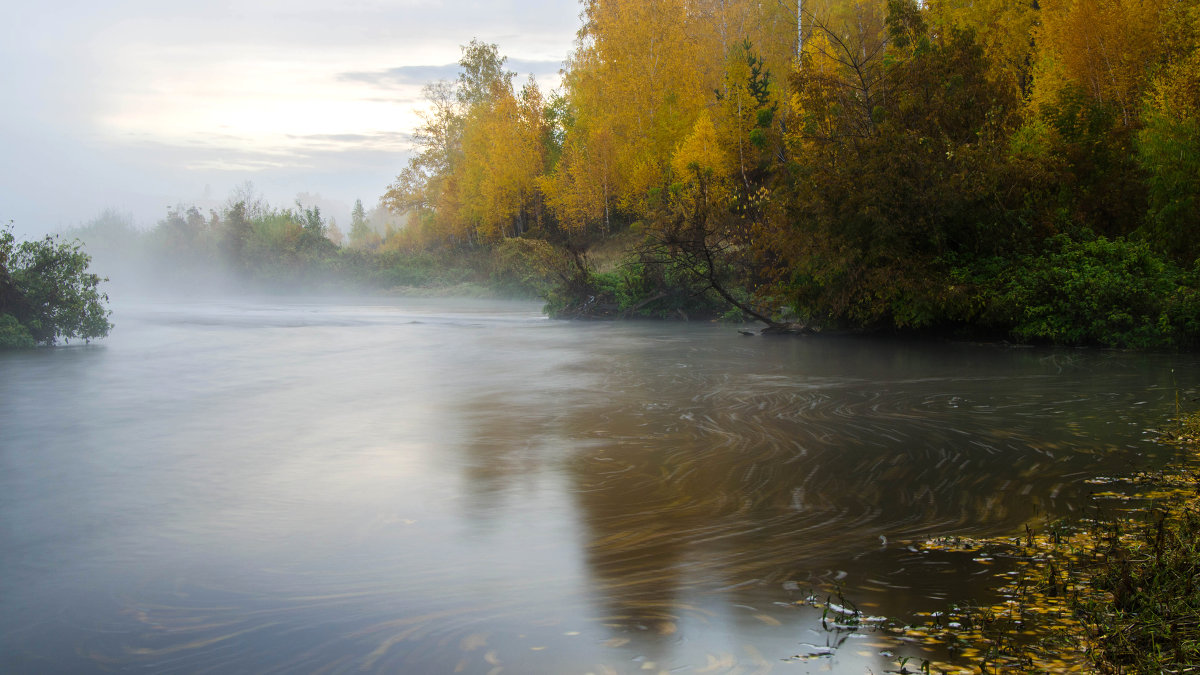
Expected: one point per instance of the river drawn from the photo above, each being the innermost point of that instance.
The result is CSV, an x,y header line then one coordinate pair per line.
x,y
436,486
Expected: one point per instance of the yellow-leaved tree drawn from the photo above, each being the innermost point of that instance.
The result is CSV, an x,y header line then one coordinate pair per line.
x,y
640,76
480,151
1003,28
1106,48
503,156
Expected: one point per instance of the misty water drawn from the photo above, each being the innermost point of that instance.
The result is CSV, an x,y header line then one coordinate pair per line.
x,y
432,486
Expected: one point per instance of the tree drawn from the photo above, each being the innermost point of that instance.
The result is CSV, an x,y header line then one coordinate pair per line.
x,y
360,229
1168,146
896,150
447,181
748,111
47,293
1104,47
237,232
695,238
1004,30
503,155
334,233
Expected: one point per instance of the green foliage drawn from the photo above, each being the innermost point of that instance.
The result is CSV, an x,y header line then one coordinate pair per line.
x,y
1101,183
13,335
1169,151
47,293
1102,292
361,235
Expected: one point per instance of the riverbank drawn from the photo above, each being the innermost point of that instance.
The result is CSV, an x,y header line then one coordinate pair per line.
x,y
1113,593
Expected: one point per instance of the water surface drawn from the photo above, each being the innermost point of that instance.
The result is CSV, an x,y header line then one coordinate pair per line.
x,y
433,486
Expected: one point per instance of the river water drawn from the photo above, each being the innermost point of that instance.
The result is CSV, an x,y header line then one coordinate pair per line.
x,y
406,485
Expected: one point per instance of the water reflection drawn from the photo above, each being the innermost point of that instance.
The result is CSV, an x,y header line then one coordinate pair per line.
x,y
410,486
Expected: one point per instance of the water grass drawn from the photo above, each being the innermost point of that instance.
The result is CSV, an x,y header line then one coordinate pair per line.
x,y
1116,593
1150,568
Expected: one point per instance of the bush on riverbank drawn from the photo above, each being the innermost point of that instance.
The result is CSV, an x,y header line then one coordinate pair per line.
x,y
1114,293
47,293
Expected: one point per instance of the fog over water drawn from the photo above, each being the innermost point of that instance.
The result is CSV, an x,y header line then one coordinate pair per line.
x,y
404,485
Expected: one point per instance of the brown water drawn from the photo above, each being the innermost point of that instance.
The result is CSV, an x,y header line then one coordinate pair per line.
x,y
428,486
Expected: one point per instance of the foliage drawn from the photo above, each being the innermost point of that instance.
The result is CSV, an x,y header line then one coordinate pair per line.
x,y
47,293
1151,574
13,335
1106,292
1168,147
891,164
1112,593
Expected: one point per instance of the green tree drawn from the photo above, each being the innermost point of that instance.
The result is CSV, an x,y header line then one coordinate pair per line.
x,y
1168,146
47,293
237,231
360,229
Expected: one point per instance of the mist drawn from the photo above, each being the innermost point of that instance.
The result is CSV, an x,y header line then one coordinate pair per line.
x,y
242,245
139,107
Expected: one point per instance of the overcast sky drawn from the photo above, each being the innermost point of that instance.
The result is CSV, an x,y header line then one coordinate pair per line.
x,y
142,104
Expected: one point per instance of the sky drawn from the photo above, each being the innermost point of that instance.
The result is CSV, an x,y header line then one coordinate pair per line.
x,y
139,105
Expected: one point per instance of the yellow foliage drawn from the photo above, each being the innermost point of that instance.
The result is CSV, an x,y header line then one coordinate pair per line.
x,y
502,159
701,152
1004,28
1105,47
1175,90
580,191
636,85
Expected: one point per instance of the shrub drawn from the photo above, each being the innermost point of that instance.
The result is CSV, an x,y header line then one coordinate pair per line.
x,y
13,335
46,290
1104,292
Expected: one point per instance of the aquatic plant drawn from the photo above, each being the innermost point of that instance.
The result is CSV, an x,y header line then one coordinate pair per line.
x,y
1115,593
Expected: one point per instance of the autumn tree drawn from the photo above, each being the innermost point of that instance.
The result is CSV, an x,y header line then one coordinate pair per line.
x,y
503,156
898,131
1004,30
480,152
426,188
1168,146
638,80
1103,47
695,232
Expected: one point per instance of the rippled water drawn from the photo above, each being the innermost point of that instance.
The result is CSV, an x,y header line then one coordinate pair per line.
x,y
428,486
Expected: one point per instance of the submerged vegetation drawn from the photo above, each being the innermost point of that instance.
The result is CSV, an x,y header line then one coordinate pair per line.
x,y
1113,593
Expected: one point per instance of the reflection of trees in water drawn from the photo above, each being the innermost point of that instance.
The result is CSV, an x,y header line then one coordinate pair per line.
x,y
695,479
709,479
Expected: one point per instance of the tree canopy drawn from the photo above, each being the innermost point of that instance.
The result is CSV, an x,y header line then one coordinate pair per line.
x,y
857,163
47,293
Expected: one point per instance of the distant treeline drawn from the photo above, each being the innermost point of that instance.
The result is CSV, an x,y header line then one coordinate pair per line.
x,y
249,246
1025,169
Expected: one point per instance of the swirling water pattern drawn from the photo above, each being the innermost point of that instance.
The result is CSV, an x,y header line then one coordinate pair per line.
x,y
426,486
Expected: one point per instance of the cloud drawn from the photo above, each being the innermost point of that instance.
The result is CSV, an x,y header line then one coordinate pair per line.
x,y
141,103
387,137
408,76
402,76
